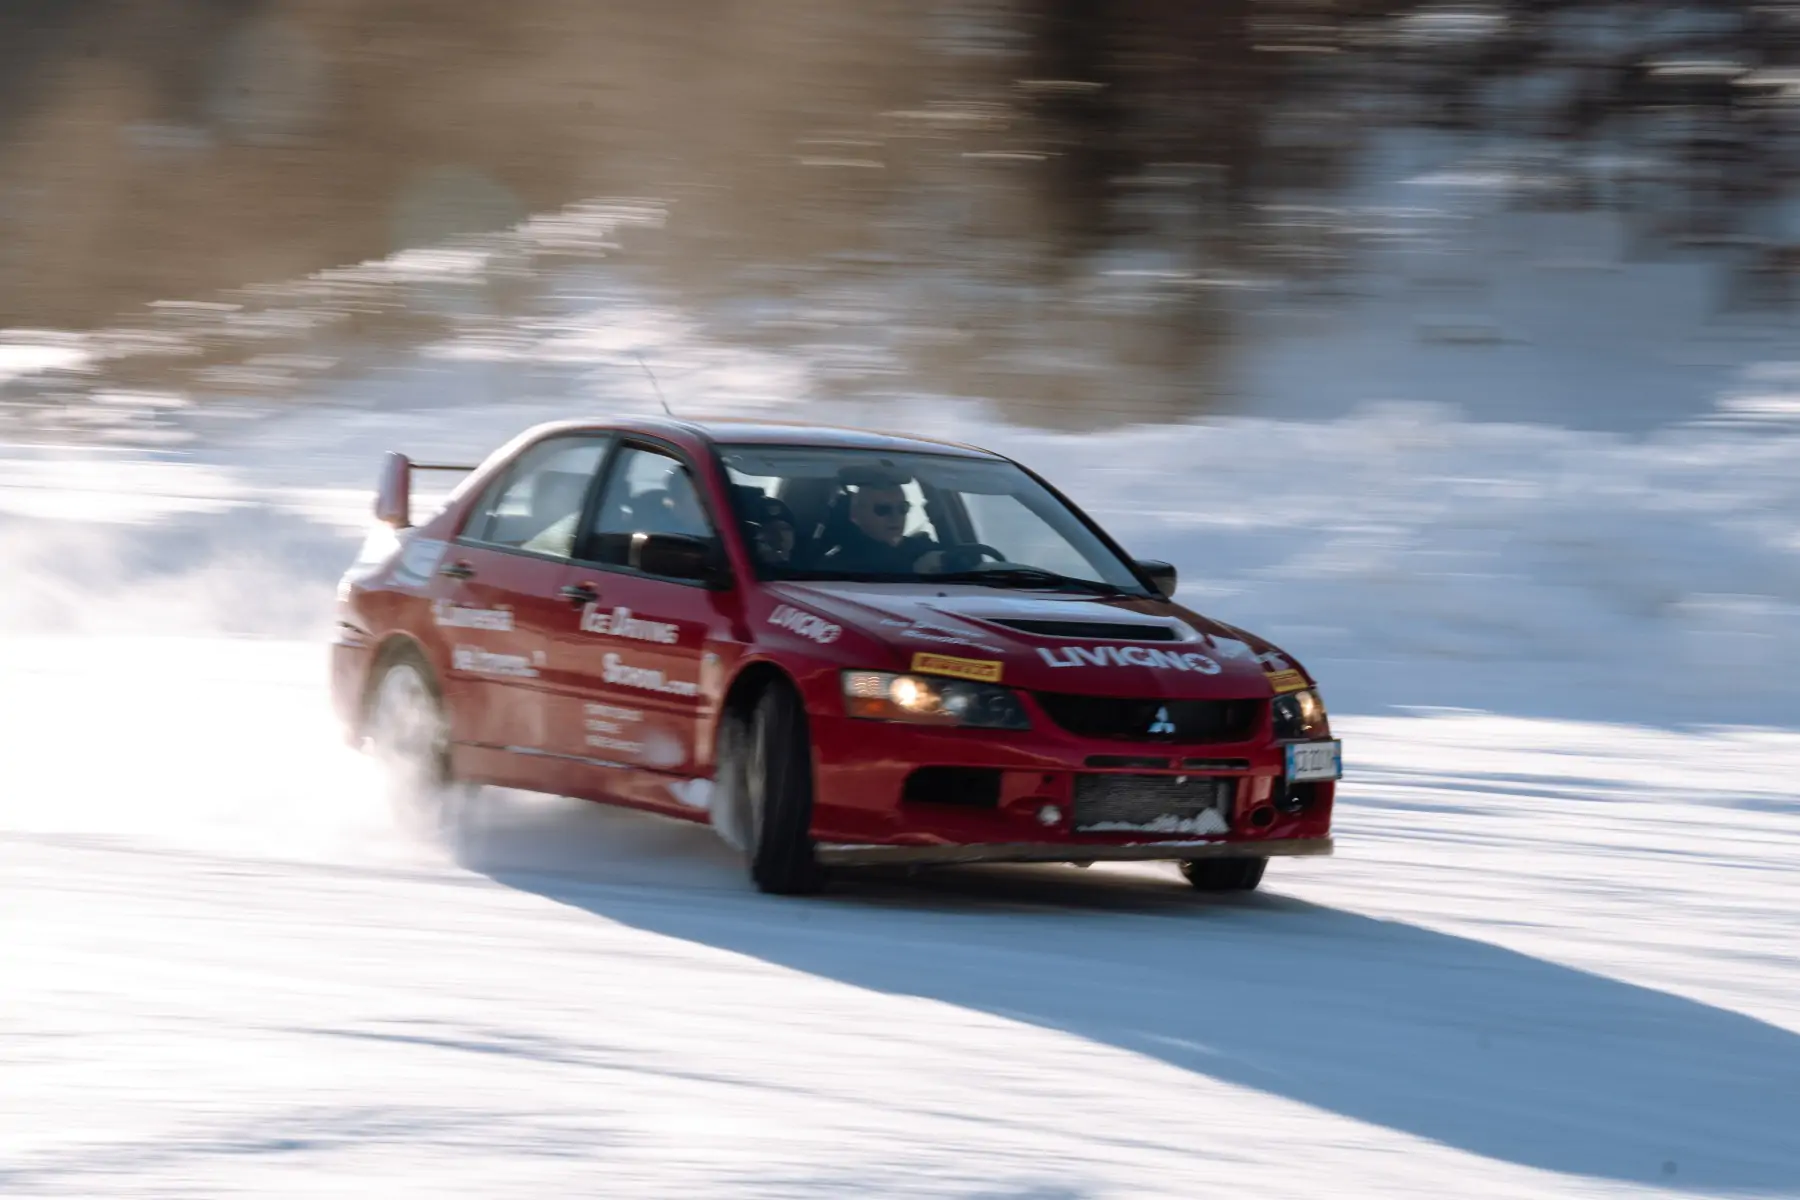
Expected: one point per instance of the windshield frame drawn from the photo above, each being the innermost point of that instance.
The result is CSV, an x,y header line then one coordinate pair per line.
x,y
772,573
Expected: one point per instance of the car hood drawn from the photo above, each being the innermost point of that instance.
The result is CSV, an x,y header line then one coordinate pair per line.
x,y
1051,641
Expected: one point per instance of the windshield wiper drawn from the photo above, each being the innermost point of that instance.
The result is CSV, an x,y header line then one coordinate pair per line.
x,y
1029,577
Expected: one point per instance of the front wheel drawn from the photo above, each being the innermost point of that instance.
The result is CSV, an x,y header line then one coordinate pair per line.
x,y
778,796
1224,874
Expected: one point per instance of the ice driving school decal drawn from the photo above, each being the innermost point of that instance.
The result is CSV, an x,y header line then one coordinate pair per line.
x,y
621,623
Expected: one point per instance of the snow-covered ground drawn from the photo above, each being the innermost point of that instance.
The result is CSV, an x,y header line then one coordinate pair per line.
x,y
1553,959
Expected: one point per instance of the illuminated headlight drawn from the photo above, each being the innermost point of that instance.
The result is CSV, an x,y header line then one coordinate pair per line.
x,y
1301,715
920,700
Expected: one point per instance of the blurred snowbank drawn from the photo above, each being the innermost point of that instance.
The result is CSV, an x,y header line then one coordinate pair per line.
x,y
1411,558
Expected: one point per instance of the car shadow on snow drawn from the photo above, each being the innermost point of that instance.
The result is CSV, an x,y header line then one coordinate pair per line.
x,y
1447,1038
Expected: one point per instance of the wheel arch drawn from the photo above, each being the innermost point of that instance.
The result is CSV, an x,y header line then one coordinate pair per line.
x,y
763,803
732,720
751,682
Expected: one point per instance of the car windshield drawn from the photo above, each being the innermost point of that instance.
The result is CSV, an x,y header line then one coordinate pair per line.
x,y
814,512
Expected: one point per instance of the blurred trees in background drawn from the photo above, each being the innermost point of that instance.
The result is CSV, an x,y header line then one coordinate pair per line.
x,y
1025,180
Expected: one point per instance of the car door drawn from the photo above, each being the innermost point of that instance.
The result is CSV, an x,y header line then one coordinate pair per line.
x,y
636,649
496,602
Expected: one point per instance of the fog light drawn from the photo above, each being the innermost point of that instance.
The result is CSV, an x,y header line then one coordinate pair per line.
x,y
1049,815
1295,798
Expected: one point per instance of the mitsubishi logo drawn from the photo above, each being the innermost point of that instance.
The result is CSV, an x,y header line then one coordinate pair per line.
x,y
1162,724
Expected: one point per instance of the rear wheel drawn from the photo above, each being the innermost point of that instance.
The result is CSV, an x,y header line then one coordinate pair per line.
x,y
409,739
1224,874
777,780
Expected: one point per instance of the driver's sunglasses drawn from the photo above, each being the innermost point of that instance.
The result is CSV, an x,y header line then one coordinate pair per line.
x,y
888,510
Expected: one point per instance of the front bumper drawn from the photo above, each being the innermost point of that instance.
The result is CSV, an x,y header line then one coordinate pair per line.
x,y
862,811
848,855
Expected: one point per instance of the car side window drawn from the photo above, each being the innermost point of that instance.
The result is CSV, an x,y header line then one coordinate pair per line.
x,y
647,491
536,505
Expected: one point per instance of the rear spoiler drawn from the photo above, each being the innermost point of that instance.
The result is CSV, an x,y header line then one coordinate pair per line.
x,y
393,491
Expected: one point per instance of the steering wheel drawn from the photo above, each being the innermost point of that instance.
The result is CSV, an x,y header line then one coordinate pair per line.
x,y
968,555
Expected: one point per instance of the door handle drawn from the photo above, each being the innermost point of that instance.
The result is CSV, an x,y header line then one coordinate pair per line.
x,y
457,570
581,593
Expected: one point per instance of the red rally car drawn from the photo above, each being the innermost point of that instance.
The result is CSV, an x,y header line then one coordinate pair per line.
x,y
838,647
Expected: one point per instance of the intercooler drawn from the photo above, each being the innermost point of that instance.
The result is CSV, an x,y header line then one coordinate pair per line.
x,y
1163,804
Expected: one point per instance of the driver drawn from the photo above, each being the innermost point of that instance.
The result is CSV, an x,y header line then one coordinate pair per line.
x,y
876,541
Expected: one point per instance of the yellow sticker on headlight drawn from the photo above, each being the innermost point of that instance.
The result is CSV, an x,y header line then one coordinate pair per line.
x,y
1287,681
981,670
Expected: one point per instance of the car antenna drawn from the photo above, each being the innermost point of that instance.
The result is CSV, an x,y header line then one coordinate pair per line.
x,y
653,382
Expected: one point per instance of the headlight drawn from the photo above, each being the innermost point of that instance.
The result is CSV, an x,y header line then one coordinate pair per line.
x,y
1301,715
922,700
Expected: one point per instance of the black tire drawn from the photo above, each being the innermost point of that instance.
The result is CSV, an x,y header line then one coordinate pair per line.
x,y
729,811
1224,874
415,761
778,785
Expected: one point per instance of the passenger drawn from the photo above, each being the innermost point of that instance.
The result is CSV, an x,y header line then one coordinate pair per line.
x,y
776,531
770,528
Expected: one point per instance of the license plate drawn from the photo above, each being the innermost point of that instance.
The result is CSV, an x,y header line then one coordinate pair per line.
x,y
1309,761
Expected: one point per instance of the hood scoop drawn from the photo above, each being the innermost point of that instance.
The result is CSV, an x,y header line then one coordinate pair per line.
x,y
1066,617
1112,631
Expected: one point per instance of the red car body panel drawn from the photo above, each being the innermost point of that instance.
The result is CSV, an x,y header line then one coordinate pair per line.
x,y
616,696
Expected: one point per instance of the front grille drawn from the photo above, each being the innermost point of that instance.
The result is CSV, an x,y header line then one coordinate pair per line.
x,y
1166,804
1169,721
1112,631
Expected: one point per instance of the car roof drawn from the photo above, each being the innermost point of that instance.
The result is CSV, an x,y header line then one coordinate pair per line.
x,y
742,432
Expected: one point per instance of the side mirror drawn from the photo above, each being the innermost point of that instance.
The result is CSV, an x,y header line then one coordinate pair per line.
x,y
393,491
677,556
1161,574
